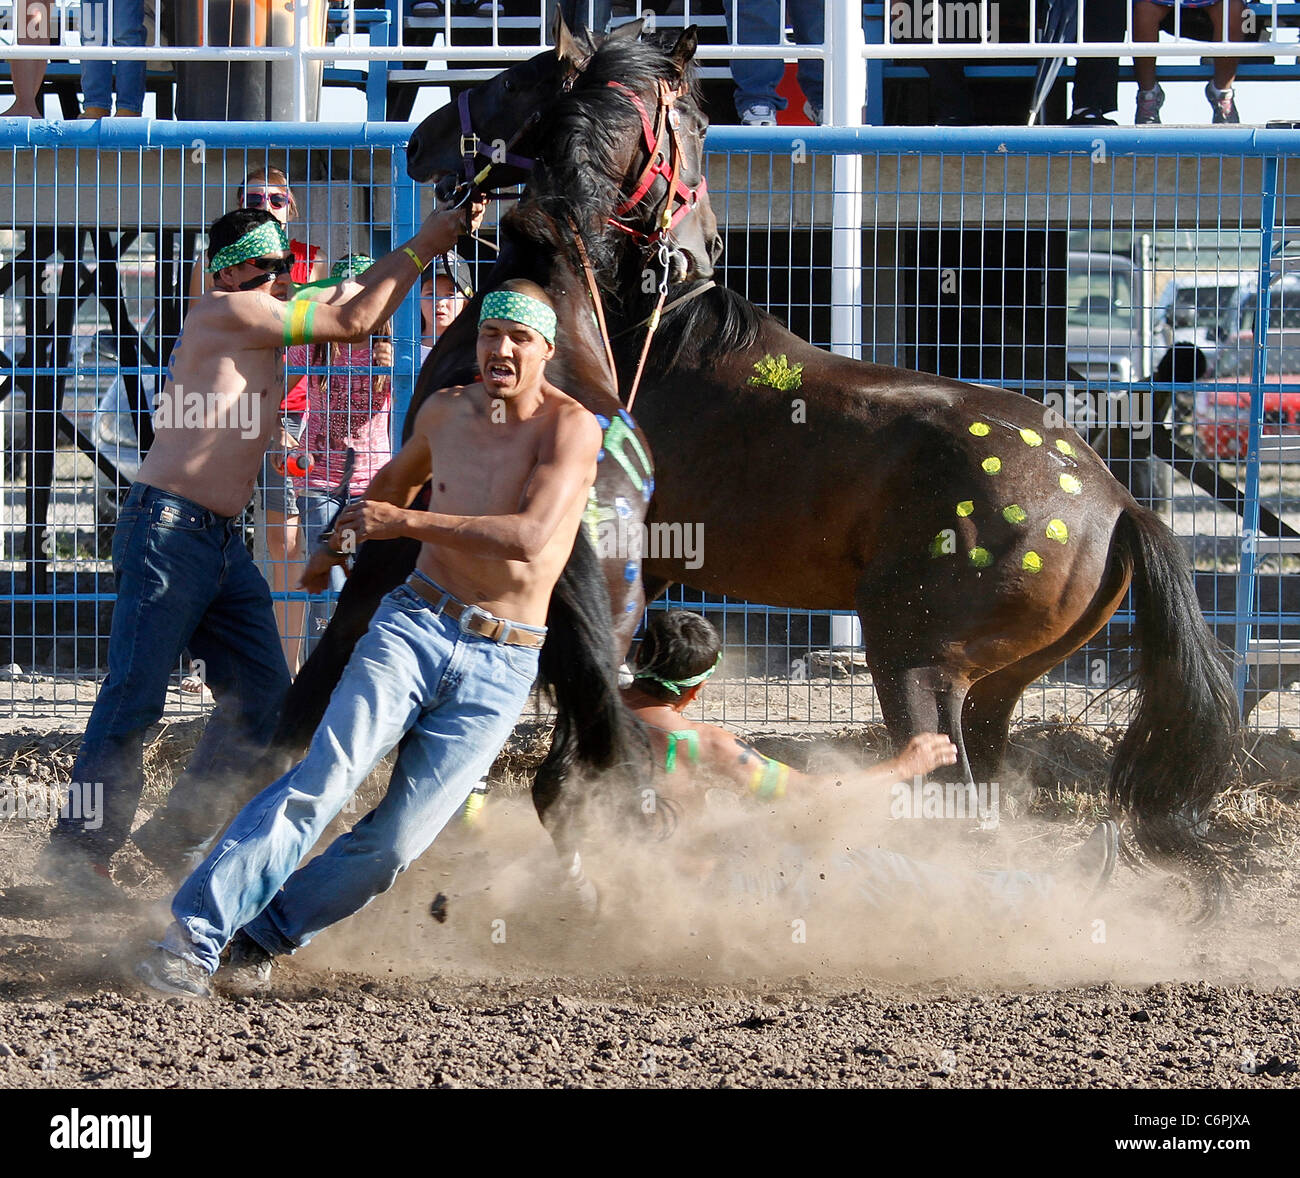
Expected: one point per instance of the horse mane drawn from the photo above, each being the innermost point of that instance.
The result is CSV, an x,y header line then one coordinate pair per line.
x,y
699,333
586,131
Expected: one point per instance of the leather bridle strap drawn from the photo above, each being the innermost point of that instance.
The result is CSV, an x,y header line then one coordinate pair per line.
x,y
599,307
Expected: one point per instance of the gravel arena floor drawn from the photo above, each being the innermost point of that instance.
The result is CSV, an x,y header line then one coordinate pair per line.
x,y
478,970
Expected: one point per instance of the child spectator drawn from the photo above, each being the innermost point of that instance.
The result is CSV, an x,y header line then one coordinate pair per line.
x,y
348,407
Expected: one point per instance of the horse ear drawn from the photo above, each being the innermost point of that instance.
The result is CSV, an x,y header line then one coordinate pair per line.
x,y
628,32
684,51
567,49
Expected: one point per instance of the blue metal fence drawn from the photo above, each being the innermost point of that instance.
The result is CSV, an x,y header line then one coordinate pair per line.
x,y
1034,259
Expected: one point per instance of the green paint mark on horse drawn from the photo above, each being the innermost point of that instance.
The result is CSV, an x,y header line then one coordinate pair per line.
x,y
777,373
617,439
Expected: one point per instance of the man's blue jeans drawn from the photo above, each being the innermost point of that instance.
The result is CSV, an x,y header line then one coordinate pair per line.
x,y
97,76
315,511
451,698
759,23
184,578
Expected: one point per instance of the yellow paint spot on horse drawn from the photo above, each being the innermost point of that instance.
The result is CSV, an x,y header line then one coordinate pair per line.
x,y
965,507
944,544
979,429
1064,447
1056,530
1032,562
991,465
981,558
1030,438
1070,485
1015,514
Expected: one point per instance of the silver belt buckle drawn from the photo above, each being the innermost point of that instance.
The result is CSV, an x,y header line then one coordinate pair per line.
x,y
467,617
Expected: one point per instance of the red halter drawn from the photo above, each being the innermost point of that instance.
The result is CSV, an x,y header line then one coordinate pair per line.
x,y
681,198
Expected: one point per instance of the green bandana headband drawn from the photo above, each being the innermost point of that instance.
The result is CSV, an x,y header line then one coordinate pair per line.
x,y
266,238
676,686
352,266
520,308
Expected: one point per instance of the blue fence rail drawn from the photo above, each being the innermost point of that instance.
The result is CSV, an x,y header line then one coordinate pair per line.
x,y
1052,262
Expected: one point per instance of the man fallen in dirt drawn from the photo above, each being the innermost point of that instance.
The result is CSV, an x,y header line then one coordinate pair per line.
x,y
445,667
184,577
679,652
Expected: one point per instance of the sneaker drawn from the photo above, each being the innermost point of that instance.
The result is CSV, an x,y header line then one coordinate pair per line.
x,y
63,866
1222,104
1090,116
813,113
760,114
248,968
170,974
1089,870
1148,106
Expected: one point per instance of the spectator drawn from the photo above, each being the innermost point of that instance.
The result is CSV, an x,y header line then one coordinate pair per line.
x,y
576,13
34,28
758,22
348,407
97,75
1096,79
1147,17
441,300
268,188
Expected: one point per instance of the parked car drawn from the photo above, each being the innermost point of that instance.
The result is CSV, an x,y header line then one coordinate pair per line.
x,y
1107,318
1189,318
1222,416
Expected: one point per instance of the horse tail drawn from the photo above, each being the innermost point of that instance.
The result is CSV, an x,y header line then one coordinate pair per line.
x,y
578,667
1177,753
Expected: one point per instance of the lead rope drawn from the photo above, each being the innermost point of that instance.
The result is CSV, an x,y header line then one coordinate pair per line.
x,y
599,306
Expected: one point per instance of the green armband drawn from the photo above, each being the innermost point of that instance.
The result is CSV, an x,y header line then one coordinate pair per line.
x,y
297,327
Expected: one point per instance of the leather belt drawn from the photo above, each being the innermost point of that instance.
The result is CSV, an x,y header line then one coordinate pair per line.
x,y
472,618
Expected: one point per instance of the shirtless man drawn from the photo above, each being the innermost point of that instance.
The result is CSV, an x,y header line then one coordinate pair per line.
x,y
679,653
184,577
445,667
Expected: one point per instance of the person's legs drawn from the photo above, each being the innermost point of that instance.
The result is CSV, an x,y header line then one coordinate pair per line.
x,y
808,20
756,22
451,745
36,27
316,509
1147,16
395,668
284,550
97,73
1096,79
237,644
128,29
167,556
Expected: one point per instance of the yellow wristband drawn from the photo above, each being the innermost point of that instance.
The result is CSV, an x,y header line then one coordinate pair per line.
x,y
410,253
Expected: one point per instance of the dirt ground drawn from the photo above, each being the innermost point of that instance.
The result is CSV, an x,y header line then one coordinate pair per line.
x,y
679,984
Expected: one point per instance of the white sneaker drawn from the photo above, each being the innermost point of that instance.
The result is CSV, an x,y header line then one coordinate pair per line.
x,y
812,113
760,114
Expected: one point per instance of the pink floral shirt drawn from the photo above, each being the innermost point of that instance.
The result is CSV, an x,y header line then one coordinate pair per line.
x,y
343,410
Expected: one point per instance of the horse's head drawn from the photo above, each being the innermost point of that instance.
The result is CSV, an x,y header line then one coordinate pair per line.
x,y
489,133
622,156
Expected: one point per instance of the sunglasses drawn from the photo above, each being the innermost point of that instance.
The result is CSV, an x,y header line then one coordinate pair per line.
x,y
272,265
257,200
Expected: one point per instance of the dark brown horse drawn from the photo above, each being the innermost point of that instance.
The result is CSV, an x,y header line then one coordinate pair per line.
x,y
980,541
